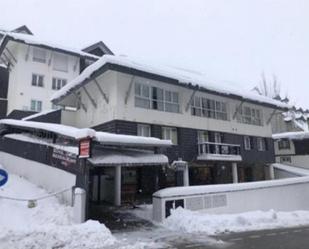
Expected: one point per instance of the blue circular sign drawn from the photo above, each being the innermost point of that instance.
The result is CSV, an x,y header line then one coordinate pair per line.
x,y
3,177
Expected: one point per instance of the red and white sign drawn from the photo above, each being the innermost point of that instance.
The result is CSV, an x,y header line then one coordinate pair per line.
x,y
84,148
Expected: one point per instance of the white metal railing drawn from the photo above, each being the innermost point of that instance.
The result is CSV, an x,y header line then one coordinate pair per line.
x,y
218,148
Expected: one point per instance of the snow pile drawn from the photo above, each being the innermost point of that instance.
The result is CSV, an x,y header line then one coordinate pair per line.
x,y
211,224
49,225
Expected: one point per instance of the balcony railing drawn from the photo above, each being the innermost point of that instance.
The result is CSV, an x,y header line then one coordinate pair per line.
x,y
219,151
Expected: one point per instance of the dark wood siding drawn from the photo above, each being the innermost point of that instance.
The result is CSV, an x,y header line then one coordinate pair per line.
x,y
187,142
301,147
3,108
4,82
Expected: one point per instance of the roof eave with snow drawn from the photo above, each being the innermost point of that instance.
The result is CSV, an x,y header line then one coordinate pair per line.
x,y
299,135
8,37
110,63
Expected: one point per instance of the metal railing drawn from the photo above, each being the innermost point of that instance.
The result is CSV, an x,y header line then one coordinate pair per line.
x,y
218,148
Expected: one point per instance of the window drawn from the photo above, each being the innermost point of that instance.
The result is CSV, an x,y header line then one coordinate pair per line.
x,y
142,96
285,159
261,144
248,115
218,137
39,55
156,98
36,105
58,83
284,144
169,133
248,142
171,100
209,108
202,136
60,62
143,130
37,80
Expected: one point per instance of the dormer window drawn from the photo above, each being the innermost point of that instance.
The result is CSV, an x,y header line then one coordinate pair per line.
x,y
39,55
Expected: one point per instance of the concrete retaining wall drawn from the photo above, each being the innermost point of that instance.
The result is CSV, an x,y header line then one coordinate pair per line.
x,y
281,195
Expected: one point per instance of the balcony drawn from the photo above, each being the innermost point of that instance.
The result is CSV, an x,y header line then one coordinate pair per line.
x,y
208,151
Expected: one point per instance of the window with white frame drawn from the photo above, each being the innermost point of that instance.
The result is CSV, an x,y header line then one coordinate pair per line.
x,y
37,80
209,108
170,133
58,83
143,130
36,105
249,115
39,55
284,144
60,62
202,136
248,143
261,144
156,98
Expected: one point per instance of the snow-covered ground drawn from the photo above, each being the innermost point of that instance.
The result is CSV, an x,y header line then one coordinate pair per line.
x,y
211,224
49,224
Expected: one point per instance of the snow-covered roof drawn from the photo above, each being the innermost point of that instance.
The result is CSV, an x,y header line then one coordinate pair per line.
x,y
298,135
183,77
39,114
101,137
35,41
127,158
64,130
300,119
36,140
112,139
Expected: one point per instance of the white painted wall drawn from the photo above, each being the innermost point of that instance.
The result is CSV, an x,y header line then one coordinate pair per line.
x,y
20,91
116,86
50,178
243,198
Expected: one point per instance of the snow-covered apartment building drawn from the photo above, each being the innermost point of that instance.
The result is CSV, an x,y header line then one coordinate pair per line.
x,y
224,134
31,70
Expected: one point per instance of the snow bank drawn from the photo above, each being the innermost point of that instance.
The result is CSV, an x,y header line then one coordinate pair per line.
x,y
198,222
49,225
182,76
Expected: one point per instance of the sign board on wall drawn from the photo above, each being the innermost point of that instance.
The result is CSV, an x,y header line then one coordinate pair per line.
x,y
65,158
84,148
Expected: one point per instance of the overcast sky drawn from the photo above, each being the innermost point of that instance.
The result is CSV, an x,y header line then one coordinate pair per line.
x,y
229,40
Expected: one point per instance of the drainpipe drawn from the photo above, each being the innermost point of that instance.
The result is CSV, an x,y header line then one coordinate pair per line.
x,y
234,173
117,195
